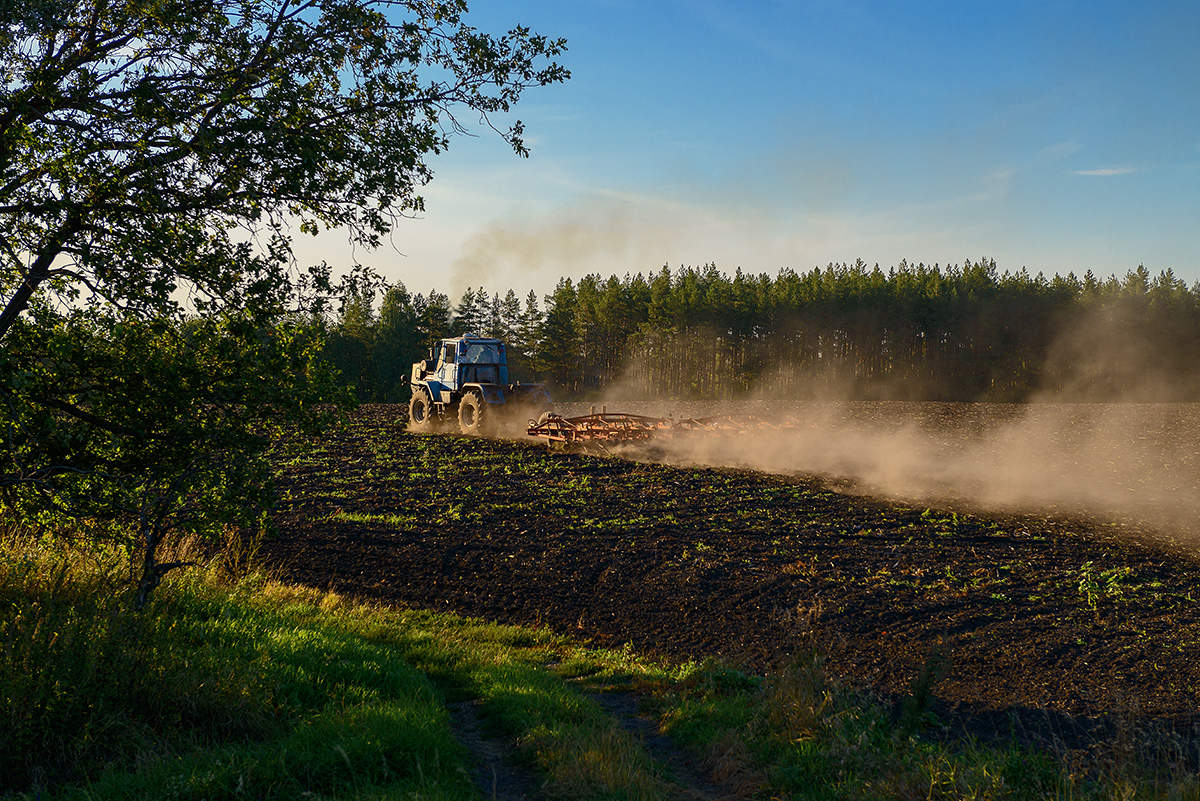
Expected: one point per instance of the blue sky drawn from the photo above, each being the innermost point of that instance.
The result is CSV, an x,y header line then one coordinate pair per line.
x,y
1055,136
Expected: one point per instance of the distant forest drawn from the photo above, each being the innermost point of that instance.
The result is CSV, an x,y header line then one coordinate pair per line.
x,y
966,332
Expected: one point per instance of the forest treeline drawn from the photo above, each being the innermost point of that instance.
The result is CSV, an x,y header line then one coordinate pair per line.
x,y
960,332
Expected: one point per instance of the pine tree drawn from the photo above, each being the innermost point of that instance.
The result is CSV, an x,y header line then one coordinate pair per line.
x,y
349,345
510,316
470,314
397,344
557,356
495,324
433,318
529,327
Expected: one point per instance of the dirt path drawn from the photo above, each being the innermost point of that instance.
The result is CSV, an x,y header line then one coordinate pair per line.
x,y
500,775
695,780
497,775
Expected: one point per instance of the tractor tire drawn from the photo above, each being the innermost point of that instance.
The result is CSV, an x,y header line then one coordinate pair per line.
x,y
473,415
421,416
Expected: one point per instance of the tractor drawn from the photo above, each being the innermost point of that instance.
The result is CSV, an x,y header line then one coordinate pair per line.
x,y
466,379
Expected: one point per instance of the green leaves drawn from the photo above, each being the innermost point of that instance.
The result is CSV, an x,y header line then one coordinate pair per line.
x,y
152,430
138,142
155,160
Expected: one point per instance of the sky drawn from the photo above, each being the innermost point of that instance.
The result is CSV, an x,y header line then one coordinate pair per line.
x,y
1052,136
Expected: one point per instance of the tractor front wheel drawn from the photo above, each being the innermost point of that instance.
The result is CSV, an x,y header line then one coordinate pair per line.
x,y
420,412
473,415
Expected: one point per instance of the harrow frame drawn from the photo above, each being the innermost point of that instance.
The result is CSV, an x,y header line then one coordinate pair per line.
x,y
604,428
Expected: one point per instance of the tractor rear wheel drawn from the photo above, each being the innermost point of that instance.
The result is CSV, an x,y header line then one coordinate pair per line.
x,y
420,412
473,415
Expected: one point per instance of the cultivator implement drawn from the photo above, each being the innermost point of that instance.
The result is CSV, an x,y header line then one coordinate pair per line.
x,y
597,428
608,428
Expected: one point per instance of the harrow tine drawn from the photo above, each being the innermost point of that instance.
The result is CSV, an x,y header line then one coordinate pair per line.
x,y
616,427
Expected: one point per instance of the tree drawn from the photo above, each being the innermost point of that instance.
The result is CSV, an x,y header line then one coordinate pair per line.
x,y
156,160
510,315
433,317
470,315
557,355
146,430
397,344
350,345
529,331
145,147
494,325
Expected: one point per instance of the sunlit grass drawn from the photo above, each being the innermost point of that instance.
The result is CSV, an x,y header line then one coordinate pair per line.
x,y
256,689
392,520
251,688
213,692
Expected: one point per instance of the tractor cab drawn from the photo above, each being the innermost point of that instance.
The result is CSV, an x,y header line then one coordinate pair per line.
x,y
455,363
467,377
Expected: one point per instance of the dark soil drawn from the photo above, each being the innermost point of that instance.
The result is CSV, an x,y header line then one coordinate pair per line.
x,y
1047,624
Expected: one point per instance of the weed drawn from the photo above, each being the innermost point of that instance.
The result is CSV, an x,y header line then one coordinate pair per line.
x,y
1113,583
797,699
1089,584
393,520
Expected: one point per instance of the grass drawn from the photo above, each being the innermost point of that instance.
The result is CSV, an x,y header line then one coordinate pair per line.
x,y
394,521
232,688
214,692
255,689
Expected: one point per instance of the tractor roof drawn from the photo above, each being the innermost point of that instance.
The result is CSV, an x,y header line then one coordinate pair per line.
x,y
471,338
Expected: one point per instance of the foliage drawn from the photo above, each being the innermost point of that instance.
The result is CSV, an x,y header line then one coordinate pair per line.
x,y
144,431
154,149
1111,583
963,332
155,159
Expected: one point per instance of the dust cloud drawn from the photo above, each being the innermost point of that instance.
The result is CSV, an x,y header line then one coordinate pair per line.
x,y
1120,459
1126,462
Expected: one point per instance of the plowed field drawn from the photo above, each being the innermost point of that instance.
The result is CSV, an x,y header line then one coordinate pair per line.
x,y
1042,621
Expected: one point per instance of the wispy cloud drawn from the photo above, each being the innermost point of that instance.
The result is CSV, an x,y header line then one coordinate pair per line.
x,y
1000,178
1106,171
995,184
1061,150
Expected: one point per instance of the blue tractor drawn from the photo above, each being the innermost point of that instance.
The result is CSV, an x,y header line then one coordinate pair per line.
x,y
466,379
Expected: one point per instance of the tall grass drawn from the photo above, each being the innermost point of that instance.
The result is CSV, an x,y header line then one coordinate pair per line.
x,y
84,681
201,695
243,688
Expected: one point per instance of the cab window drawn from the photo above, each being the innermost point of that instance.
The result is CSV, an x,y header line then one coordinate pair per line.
x,y
482,353
448,354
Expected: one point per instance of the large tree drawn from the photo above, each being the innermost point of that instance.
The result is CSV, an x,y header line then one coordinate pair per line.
x,y
161,153
157,157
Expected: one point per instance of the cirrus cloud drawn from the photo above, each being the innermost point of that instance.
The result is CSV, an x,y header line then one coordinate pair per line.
x,y
1106,171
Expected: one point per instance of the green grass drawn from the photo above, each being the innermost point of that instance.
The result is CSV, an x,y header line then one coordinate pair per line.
x,y
250,688
259,690
214,692
395,521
